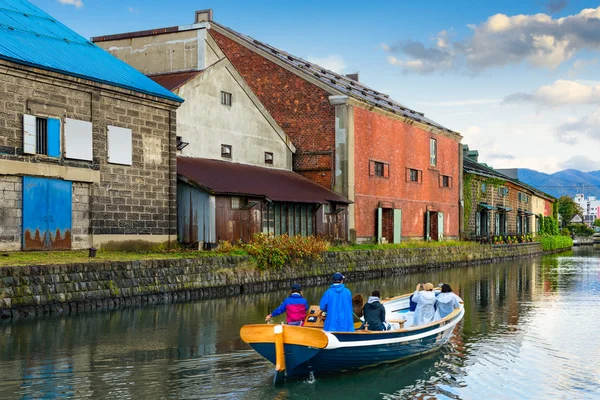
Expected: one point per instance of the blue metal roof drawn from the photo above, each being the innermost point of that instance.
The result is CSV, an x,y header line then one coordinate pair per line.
x,y
30,36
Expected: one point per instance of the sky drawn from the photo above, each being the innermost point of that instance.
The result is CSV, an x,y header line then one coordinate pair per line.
x,y
520,80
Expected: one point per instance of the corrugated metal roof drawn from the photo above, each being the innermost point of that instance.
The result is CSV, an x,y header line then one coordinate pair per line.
x,y
222,177
339,82
175,80
30,36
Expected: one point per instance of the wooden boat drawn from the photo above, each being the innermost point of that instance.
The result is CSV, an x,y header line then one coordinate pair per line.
x,y
304,351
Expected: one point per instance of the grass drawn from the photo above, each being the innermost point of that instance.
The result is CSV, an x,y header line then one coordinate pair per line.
x,y
73,257
81,256
405,245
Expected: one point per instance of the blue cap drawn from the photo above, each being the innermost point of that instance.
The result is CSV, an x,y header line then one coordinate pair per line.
x,y
296,287
338,277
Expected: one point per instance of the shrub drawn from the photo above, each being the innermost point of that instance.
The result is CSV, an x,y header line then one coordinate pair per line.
x,y
554,242
273,252
580,229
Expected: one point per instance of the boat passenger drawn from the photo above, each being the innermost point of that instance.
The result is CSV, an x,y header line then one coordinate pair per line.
x,y
447,301
295,307
425,299
336,303
358,302
375,313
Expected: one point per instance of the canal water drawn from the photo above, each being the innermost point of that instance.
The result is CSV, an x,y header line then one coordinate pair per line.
x,y
531,330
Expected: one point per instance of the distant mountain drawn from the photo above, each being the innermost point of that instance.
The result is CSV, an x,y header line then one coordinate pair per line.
x,y
568,182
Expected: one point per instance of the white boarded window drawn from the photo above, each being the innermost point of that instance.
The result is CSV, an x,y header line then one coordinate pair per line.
x,y
78,139
119,145
29,134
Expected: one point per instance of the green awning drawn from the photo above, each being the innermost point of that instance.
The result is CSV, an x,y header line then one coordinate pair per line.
x,y
502,208
488,207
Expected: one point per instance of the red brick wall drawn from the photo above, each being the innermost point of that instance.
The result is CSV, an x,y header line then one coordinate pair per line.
x,y
403,146
299,107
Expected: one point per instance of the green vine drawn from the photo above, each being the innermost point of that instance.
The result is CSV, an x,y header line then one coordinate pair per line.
x,y
479,195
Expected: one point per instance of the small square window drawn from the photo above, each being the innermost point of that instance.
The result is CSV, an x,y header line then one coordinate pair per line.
x,y
236,203
414,175
268,158
379,168
226,98
225,151
445,181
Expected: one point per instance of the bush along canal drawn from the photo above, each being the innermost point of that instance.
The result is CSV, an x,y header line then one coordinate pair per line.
x,y
529,331
38,290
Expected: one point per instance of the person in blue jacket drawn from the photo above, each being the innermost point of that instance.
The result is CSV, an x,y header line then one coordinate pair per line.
x,y
337,303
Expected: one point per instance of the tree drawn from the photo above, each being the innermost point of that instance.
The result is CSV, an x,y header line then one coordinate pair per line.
x,y
567,209
597,222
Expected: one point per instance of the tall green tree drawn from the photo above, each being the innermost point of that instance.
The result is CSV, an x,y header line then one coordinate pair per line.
x,y
597,222
567,209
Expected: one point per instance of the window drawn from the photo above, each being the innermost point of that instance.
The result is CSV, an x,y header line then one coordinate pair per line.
x,y
483,187
181,144
78,139
433,152
379,168
502,191
414,175
268,158
236,203
226,98
446,181
225,151
120,146
41,135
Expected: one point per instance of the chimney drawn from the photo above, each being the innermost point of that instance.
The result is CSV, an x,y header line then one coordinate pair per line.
x,y
204,15
354,76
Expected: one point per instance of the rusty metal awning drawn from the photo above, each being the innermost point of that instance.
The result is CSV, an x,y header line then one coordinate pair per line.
x,y
227,178
175,80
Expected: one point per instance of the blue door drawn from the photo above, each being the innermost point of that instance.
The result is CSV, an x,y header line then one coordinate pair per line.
x,y
46,214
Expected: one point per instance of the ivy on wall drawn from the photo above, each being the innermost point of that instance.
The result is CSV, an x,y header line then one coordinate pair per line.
x,y
468,186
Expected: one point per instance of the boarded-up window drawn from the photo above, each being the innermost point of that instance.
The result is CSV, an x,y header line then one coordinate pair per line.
x,y
120,145
78,139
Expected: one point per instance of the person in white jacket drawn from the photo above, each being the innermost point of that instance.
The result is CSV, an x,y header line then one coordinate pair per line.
x,y
447,301
425,299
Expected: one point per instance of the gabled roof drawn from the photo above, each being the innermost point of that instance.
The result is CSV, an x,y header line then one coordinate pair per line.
x,y
31,37
174,80
472,167
227,178
339,84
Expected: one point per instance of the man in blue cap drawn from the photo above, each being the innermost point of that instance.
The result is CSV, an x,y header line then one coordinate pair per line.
x,y
337,303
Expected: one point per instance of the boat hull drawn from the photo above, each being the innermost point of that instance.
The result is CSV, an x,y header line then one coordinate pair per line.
x,y
346,351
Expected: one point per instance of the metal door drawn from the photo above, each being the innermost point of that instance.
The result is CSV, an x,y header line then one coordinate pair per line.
x,y
397,226
379,224
440,235
46,214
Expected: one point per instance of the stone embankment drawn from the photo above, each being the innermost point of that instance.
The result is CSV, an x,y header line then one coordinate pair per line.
x,y
66,289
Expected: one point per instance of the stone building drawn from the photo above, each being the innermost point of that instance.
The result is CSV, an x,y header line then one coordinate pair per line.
x,y
87,143
401,170
499,205
235,161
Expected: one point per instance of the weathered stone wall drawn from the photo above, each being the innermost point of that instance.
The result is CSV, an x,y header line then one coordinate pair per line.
x,y
10,212
128,200
51,289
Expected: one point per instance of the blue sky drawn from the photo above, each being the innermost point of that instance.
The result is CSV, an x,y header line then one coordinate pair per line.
x,y
519,79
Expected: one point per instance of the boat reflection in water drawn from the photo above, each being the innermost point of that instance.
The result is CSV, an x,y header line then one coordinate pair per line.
x,y
299,352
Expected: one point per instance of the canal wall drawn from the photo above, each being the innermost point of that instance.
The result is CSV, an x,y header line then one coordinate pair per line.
x,y
72,288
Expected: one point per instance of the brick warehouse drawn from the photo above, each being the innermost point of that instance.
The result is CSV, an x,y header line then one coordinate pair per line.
x,y
87,143
401,170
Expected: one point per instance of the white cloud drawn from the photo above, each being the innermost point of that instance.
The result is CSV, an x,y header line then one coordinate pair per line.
x,y
76,3
559,93
473,102
574,129
581,163
539,40
332,62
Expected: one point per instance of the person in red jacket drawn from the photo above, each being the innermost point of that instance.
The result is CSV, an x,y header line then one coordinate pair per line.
x,y
295,307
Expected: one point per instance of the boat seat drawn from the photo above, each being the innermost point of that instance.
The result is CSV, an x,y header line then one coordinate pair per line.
x,y
397,321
